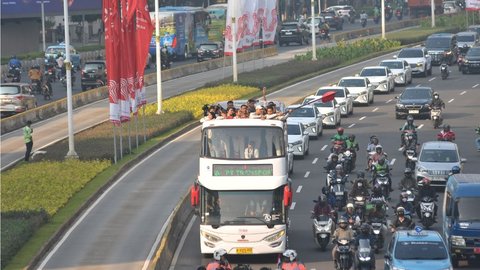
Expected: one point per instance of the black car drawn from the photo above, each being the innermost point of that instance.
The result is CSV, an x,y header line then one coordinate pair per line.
x,y
333,20
471,62
94,74
440,46
292,32
207,51
414,101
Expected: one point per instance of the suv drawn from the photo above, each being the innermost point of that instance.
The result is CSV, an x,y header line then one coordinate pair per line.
x,y
414,101
55,51
332,19
418,58
467,39
440,46
94,74
346,12
16,98
471,62
292,32
208,51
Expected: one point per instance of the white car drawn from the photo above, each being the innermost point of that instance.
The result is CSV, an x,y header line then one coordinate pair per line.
x,y
298,138
450,7
418,59
401,70
360,89
381,78
309,117
308,25
330,110
467,39
342,96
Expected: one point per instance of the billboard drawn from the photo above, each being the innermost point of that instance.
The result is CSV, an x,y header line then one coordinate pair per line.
x,y
12,9
472,5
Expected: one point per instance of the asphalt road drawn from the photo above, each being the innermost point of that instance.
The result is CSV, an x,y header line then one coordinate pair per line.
x,y
460,92
120,229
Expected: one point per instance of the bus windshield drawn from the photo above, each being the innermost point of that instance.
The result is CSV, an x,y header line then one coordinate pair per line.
x,y
466,209
258,207
243,142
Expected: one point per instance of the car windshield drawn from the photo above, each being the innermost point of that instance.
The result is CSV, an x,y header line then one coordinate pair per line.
x,y
466,209
352,83
208,47
243,207
466,38
438,43
302,112
289,27
93,66
9,90
415,94
318,103
420,250
373,72
473,52
293,129
410,54
316,21
338,92
392,65
439,155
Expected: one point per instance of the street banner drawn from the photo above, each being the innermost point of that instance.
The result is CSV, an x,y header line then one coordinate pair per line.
x,y
255,20
126,70
111,20
472,5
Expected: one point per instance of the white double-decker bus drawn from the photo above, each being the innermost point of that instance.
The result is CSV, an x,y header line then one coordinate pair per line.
x,y
243,192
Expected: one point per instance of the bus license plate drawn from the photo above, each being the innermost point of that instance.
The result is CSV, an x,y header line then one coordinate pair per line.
x,y
244,251
413,111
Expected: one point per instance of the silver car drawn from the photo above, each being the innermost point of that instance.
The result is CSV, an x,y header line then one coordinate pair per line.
x,y
381,78
360,88
401,70
298,138
342,96
16,98
330,110
309,117
436,160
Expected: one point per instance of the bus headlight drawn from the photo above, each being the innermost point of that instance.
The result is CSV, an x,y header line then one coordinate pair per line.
x,y
210,237
458,241
275,236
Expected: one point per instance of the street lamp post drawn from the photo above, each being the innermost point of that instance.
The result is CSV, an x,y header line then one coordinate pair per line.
x,y
383,17
432,10
43,25
158,60
312,29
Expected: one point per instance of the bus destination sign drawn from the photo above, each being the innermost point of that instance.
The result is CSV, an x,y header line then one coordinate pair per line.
x,y
242,170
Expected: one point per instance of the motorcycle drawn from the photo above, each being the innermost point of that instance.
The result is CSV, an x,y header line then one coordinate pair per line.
x,y
444,71
382,180
344,254
14,74
324,35
427,207
36,86
63,79
399,14
436,117
359,203
377,227
47,91
347,160
410,195
376,19
409,138
410,157
363,22
388,13
462,51
322,230
364,255
337,188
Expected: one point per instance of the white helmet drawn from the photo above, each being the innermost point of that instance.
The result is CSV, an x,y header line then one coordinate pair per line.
x,y
350,205
290,254
217,254
348,153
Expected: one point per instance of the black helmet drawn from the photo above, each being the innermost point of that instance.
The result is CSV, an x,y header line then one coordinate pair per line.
x,y
408,172
334,156
455,169
322,199
351,137
342,222
360,175
365,228
410,118
446,127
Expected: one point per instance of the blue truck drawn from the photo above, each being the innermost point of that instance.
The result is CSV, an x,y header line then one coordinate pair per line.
x,y
461,217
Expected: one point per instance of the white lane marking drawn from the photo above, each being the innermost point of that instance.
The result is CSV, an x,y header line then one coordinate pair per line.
x,y
315,161
419,127
299,189
432,79
450,101
418,85
90,209
293,205
361,118
392,162
463,93
388,101
307,174
323,148
351,125
374,110
181,243
475,85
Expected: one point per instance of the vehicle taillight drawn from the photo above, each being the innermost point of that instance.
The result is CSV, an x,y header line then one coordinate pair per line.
x,y
20,97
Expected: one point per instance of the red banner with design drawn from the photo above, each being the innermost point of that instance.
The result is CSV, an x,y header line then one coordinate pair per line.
x,y
143,32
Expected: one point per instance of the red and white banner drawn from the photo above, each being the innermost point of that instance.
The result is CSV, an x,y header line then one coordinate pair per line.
x,y
255,20
472,5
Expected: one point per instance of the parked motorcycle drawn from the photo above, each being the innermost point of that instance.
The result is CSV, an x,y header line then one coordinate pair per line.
x,y
322,230
344,254
364,255
444,71
427,207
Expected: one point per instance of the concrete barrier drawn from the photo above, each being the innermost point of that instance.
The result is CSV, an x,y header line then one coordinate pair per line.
x,y
60,106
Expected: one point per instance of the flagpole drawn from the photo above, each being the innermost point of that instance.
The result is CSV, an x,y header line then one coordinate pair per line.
x,y
114,144
68,67
157,60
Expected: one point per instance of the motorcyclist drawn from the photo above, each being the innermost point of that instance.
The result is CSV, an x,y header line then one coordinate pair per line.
x,y
352,146
339,139
408,181
378,212
446,134
363,15
342,232
378,154
219,260
324,27
14,63
376,12
35,76
426,190
351,217
360,187
373,144
331,163
382,167
408,206
437,102
401,221
321,207
289,261
365,233
409,125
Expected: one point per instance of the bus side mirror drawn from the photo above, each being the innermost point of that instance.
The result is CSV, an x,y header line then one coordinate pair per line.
x,y
194,195
287,195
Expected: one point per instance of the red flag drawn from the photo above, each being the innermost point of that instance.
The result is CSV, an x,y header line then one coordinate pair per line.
x,y
143,32
111,22
328,96
126,70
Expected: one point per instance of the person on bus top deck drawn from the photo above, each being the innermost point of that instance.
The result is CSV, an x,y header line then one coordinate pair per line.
x,y
230,113
251,105
258,114
243,112
229,104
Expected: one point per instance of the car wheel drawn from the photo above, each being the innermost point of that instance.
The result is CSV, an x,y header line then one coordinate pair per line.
x,y
371,99
397,116
290,171
351,110
424,73
430,71
410,81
